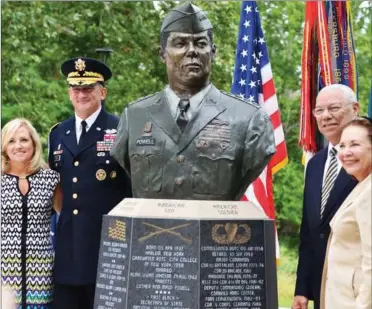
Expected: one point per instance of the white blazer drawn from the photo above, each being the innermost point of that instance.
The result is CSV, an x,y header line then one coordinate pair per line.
x,y
347,274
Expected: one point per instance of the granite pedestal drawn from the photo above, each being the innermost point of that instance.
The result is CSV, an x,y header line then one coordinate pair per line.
x,y
173,254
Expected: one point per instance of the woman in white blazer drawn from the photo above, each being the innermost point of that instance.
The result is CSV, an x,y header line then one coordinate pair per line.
x,y
347,275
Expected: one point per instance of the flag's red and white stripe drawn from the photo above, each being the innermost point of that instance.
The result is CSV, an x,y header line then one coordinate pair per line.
x,y
260,192
253,81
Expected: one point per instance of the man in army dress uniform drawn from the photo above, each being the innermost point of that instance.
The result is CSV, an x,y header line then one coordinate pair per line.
x,y
92,182
191,141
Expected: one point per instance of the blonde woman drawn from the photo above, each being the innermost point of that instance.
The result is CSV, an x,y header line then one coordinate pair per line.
x,y
27,193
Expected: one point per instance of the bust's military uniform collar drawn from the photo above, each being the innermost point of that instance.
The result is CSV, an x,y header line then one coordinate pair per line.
x,y
195,100
209,109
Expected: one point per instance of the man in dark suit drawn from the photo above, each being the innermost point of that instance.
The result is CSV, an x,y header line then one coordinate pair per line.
x,y
326,187
192,141
92,182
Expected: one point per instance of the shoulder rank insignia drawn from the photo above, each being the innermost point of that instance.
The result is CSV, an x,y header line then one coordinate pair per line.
x,y
49,136
242,99
54,126
143,98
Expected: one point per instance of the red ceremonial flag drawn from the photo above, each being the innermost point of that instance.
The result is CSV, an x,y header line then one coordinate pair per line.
x,y
328,57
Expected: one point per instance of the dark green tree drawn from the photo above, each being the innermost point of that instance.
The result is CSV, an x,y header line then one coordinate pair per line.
x,y
38,36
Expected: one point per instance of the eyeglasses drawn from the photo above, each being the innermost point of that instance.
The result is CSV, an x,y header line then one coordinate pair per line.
x,y
332,109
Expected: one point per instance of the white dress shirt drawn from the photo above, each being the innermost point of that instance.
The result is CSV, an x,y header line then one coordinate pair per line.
x,y
195,101
90,120
330,146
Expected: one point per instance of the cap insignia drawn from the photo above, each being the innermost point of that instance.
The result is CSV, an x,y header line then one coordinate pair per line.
x,y
80,65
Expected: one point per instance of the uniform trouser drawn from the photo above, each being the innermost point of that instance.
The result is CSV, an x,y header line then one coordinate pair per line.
x,y
316,305
73,296
316,294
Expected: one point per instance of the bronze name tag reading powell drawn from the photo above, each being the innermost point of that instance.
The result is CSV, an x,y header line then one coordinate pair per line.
x,y
145,141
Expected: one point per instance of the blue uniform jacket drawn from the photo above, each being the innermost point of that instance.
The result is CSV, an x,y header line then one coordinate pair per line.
x,y
92,184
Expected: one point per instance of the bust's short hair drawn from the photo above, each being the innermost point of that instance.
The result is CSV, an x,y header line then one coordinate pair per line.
x,y
165,35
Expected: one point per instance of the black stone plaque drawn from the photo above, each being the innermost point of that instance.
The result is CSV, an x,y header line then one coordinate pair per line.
x,y
235,272
164,264
155,263
112,276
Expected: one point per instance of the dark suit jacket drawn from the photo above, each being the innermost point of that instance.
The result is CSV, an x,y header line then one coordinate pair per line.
x,y
314,232
92,184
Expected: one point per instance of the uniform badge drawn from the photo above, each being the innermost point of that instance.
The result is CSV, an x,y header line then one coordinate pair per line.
x,y
108,141
109,137
101,175
147,130
57,153
216,132
80,65
202,144
110,131
146,139
113,175
101,154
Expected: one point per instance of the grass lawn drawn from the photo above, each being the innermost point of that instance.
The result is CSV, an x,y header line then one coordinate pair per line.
x,y
287,273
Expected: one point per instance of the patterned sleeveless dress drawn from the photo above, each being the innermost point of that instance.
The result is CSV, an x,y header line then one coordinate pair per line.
x,y
26,248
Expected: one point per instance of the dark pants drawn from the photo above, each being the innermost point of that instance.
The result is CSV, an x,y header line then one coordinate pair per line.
x,y
316,294
73,296
316,305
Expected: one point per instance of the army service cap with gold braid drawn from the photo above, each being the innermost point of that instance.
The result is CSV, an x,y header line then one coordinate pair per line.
x,y
186,18
85,72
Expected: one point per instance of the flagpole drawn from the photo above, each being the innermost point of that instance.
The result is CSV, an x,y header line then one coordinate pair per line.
x,y
105,52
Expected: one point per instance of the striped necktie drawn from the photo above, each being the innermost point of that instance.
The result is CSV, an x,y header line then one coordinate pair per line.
x,y
329,180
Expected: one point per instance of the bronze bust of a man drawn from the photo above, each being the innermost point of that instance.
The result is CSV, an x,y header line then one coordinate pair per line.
x,y
192,141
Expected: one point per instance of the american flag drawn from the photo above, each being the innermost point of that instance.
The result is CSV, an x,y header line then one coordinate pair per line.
x,y
253,81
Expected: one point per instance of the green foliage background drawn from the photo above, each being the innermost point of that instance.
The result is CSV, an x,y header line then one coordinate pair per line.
x,y
38,36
